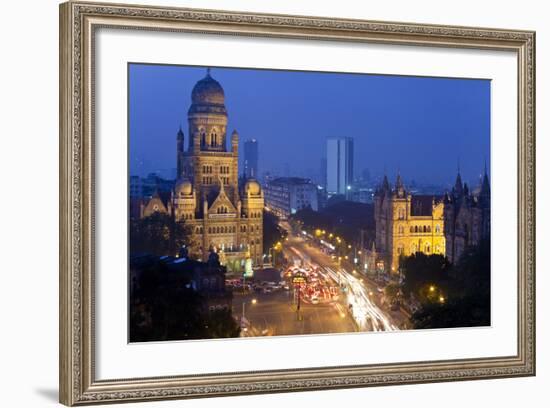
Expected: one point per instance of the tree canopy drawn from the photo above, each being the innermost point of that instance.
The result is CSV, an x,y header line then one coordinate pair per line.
x,y
158,234
462,298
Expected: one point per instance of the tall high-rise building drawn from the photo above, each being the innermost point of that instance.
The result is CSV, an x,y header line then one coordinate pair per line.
x,y
339,165
251,158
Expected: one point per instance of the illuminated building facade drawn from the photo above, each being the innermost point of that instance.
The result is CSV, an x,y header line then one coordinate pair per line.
x,y
223,216
406,223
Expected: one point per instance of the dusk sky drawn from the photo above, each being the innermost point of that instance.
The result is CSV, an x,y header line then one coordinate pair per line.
x,y
421,126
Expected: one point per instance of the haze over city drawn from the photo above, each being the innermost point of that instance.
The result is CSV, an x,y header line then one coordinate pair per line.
x,y
410,124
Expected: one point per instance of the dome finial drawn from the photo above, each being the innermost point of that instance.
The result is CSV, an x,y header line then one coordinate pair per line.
x,y
208,71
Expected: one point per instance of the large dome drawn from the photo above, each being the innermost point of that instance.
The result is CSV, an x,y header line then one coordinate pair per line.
x,y
184,188
208,91
252,187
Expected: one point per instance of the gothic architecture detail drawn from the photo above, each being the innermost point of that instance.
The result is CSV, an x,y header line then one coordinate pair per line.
x,y
406,223
223,216
467,216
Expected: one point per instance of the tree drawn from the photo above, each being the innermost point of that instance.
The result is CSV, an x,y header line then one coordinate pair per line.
x,y
158,234
426,276
468,303
164,309
272,232
220,324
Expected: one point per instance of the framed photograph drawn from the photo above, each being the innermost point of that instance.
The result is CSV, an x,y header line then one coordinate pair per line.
x,y
256,203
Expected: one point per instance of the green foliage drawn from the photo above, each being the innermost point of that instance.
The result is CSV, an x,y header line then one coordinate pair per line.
x,y
468,299
272,233
423,272
162,310
158,234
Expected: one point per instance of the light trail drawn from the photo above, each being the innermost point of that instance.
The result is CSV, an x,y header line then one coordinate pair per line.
x,y
367,315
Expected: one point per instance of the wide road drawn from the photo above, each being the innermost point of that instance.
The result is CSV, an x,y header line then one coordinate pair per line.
x,y
360,298
275,314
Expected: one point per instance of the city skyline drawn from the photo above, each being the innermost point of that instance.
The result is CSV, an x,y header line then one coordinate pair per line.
x,y
282,108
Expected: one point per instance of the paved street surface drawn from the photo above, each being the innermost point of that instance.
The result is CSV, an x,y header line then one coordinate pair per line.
x,y
275,314
339,301
365,298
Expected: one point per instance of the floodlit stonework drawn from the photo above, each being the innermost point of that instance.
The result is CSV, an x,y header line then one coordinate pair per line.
x,y
223,216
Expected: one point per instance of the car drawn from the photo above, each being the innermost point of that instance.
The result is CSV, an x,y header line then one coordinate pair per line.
x,y
314,300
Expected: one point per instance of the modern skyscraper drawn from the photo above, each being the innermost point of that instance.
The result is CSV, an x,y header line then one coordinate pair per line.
x,y
251,158
339,165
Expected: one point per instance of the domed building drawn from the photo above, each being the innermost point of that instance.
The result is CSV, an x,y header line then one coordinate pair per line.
x,y
207,197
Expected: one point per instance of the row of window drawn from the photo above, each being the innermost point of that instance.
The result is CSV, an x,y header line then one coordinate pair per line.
x,y
222,210
211,140
419,229
414,248
251,229
207,169
228,229
210,180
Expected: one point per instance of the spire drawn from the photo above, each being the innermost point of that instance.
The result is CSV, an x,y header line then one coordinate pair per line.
x,y
385,183
398,181
458,188
399,187
208,72
485,187
180,132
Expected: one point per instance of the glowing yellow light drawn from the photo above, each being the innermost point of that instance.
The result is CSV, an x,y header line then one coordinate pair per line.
x,y
432,288
441,299
254,301
346,257
330,235
359,252
370,293
349,246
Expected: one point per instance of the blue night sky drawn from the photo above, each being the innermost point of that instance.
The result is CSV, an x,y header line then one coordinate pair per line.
x,y
421,126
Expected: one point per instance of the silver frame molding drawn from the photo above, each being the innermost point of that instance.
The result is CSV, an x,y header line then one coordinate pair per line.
x,y
78,22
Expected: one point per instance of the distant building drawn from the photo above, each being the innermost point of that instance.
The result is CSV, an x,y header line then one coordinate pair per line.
x,y
339,165
287,195
251,158
406,223
467,216
136,187
363,195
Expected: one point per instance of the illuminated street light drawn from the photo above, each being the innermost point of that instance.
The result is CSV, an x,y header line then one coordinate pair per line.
x,y
254,301
441,299
432,288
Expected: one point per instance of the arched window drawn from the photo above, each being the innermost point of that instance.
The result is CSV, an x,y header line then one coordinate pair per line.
x,y
429,228
401,229
412,229
427,248
401,213
437,229
416,228
425,229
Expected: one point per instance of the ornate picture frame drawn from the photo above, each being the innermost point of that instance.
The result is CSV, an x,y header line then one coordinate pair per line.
x,y
78,24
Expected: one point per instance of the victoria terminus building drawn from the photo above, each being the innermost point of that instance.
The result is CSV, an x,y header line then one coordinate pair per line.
x,y
222,215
